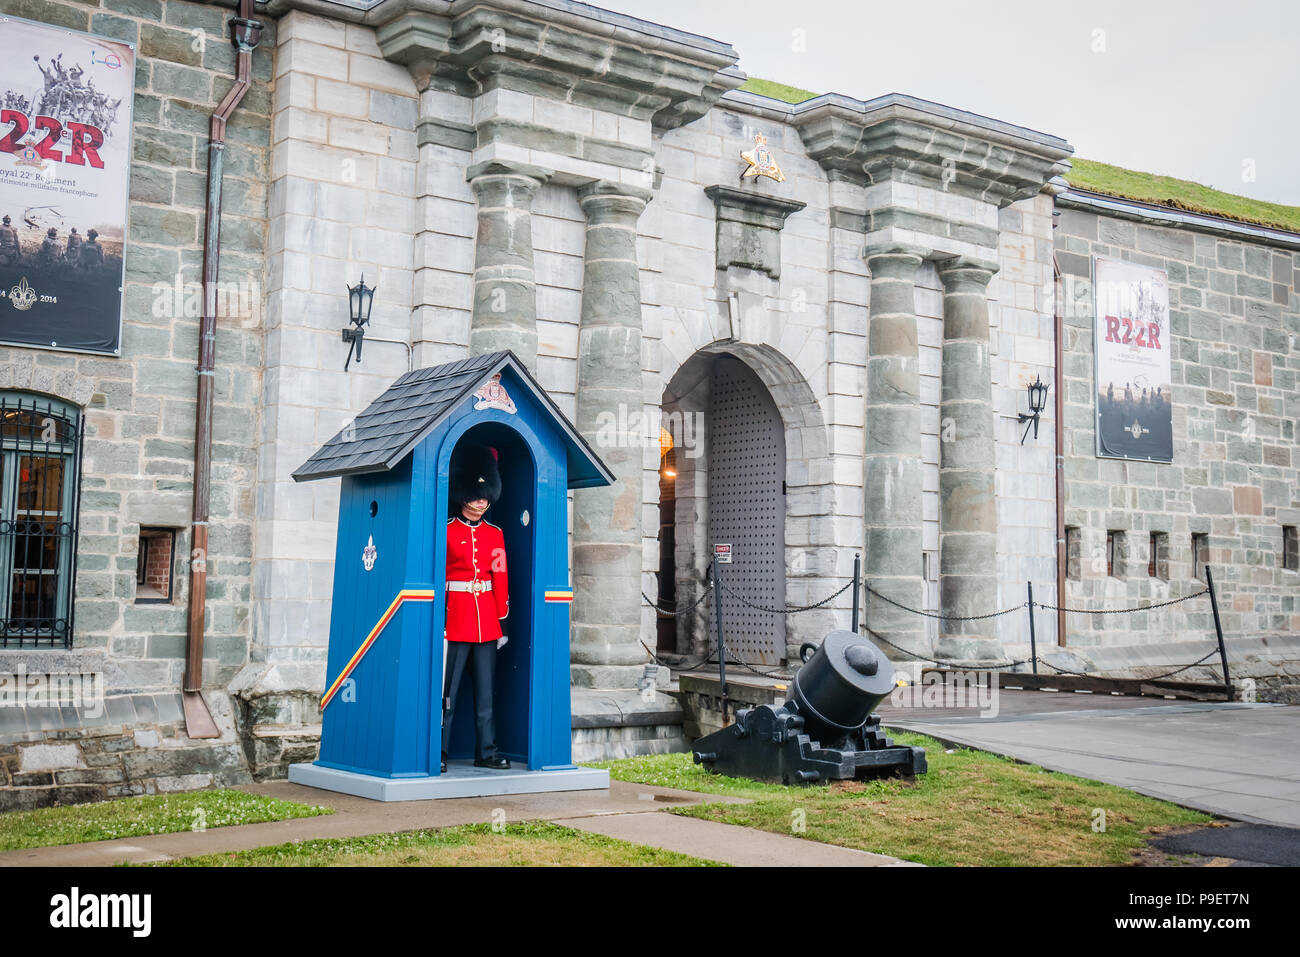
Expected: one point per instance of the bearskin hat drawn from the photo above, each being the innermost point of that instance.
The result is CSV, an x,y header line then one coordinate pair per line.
x,y
474,475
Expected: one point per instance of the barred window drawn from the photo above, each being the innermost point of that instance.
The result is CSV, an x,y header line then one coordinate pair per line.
x,y
40,470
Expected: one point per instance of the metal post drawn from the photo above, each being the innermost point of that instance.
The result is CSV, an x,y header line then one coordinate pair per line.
x,y
1033,639
722,645
857,589
1218,629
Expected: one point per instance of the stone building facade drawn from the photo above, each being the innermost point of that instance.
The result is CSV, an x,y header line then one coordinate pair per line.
x,y
138,420
1234,479
565,182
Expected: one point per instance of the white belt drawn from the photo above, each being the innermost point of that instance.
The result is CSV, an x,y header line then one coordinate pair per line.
x,y
474,587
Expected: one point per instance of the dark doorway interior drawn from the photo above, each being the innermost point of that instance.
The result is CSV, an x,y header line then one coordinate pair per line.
x,y
513,514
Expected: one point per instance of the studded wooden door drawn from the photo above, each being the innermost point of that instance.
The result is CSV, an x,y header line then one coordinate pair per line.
x,y
747,511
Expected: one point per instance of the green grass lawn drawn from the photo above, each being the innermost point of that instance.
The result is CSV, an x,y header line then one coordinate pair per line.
x,y
777,91
1179,194
972,808
149,814
533,844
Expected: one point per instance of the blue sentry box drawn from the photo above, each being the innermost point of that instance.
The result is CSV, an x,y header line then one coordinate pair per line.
x,y
382,705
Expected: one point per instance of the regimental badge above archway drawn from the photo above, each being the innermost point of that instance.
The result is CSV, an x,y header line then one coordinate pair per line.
x,y
749,228
381,723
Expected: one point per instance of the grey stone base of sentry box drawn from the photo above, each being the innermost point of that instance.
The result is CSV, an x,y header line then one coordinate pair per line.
x,y
461,780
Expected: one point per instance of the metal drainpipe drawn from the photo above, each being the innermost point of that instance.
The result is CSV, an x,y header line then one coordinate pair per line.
x,y
1061,557
245,33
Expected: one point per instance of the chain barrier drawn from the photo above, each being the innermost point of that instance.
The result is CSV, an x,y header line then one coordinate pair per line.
x,y
788,609
932,614
1015,664
679,666
708,585
1213,652
711,658
732,659
1123,611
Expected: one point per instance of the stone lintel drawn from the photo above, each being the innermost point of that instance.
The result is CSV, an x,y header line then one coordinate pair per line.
x,y
749,228
744,206
562,144
442,132
577,55
944,231
907,140
501,168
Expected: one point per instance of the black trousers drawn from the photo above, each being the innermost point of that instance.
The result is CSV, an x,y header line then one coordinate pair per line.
x,y
481,659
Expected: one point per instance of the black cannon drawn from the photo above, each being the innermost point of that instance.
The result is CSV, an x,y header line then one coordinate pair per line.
x,y
825,732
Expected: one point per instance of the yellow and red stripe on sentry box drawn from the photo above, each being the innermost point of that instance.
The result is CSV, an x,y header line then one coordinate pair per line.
x,y
405,595
559,595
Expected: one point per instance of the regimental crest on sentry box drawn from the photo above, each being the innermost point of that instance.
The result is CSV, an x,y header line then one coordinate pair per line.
x,y
493,395
369,554
760,162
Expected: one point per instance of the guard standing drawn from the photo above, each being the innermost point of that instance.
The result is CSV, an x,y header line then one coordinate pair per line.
x,y
478,599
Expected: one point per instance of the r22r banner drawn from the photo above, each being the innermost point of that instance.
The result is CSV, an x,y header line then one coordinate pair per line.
x,y
65,161
1134,405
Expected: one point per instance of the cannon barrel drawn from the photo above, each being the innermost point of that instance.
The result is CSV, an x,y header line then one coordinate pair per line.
x,y
841,684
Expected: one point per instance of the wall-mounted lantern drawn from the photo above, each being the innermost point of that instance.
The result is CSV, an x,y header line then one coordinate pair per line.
x,y
1037,403
360,299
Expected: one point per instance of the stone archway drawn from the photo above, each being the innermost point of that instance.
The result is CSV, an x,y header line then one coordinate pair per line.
x,y
815,562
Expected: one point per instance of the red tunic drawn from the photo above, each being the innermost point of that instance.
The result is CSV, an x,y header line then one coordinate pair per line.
x,y
476,553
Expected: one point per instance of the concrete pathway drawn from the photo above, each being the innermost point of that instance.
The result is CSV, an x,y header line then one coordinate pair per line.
x,y
1237,760
632,812
714,841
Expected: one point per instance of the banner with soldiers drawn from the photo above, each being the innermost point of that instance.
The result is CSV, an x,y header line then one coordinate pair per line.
x,y
65,159
1134,408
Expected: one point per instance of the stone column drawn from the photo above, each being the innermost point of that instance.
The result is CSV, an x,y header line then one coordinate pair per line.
x,y
892,458
505,292
606,611
968,582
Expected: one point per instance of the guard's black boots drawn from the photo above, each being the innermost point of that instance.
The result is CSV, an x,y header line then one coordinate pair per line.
x,y
496,762
444,762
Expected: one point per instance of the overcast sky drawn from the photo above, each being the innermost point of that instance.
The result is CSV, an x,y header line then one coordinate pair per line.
x,y
1200,90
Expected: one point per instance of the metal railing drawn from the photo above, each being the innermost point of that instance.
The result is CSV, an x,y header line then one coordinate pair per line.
x,y
40,466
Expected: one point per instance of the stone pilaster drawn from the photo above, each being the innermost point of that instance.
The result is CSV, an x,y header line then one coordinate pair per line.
x,y
505,293
606,612
968,581
892,459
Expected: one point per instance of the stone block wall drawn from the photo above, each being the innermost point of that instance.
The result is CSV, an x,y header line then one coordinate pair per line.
x,y
57,752
1023,342
139,424
342,206
139,408
1235,323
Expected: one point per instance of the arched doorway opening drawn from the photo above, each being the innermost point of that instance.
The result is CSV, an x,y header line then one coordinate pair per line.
x,y
722,482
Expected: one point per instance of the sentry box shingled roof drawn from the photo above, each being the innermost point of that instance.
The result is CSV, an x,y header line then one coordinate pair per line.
x,y
417,403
